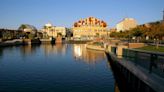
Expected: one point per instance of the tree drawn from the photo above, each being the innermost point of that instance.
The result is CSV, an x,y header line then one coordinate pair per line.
x,y
158,32
0,34
69,32
31,36
97,34
136,32
114,34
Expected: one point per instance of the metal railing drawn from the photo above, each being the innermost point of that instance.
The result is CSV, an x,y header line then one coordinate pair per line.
x,y
152,61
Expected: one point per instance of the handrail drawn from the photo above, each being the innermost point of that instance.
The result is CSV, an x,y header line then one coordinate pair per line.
x,y
153,61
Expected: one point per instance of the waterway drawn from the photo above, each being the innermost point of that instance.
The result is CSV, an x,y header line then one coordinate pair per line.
x,y
54,68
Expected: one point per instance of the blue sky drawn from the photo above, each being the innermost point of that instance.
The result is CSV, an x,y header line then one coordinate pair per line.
x,y
13,13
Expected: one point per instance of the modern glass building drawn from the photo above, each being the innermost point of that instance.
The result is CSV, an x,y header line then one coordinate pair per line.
x,y
28,28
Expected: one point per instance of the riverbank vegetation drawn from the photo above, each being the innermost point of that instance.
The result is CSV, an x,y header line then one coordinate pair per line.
x,y
146,33
151,31
153,48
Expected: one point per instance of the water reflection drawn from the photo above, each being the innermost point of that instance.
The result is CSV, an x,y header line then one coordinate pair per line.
x,y
1,53
28,49
116,88
65,73
80,52
54,49
89,56
46,48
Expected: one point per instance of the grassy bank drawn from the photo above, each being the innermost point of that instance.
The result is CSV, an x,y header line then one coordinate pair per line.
x,y
153,48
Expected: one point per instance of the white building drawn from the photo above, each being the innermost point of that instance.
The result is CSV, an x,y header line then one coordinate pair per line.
x,y
126,24
53,31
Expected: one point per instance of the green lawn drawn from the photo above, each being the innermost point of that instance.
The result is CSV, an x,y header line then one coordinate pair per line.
x,y
152,48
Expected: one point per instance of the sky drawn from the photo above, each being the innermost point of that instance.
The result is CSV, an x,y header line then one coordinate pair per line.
x,y
13,13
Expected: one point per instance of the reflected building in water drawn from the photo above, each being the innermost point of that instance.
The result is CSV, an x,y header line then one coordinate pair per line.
x,y
47,49
54,49
89,56
29,49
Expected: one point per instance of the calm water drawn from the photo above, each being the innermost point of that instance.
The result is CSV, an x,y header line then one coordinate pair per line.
x,y
54,68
